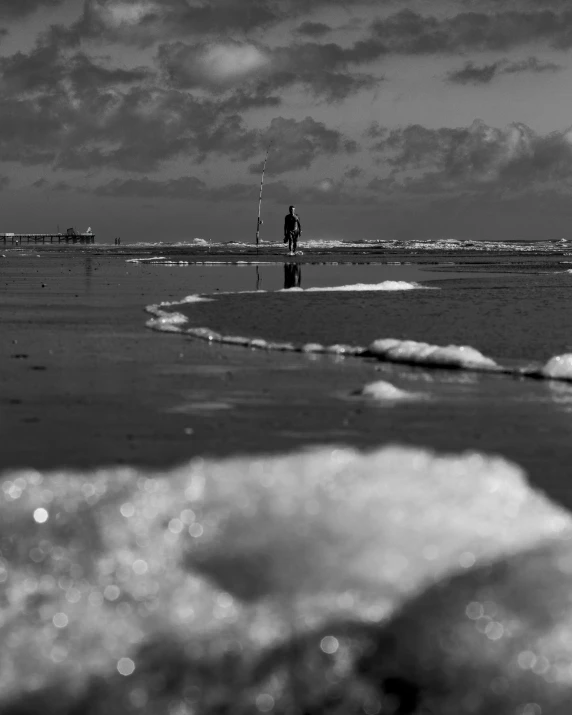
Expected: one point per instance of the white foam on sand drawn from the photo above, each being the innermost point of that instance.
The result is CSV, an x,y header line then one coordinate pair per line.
x,y
168,321
558,367
98,567
410,352
418,353
361,287
384,392
404,351
150,259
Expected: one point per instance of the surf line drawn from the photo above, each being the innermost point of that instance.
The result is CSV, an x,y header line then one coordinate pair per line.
x,y
405,352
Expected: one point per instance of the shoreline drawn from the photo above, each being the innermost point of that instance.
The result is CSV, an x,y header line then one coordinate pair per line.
x,y
189,526
98,388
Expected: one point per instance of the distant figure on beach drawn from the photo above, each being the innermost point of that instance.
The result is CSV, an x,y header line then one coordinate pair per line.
x,y
292,275
292,229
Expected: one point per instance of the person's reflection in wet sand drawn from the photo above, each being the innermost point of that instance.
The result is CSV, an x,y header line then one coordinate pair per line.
x,y
292,275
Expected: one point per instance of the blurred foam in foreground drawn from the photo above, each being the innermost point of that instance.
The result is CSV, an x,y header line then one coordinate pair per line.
x,y
327,581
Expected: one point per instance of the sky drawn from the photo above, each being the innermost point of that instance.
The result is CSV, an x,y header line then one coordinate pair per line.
x,y
382,119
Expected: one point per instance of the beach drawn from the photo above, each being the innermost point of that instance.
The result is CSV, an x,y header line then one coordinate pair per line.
x,y
122,417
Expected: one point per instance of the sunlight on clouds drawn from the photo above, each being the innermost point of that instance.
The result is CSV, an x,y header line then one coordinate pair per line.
x,y
123,13
225,63
326,185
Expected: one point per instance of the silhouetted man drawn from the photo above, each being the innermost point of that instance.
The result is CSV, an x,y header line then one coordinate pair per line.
x,y
292,229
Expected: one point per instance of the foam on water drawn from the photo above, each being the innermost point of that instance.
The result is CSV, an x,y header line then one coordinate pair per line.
x,y
417,353
123,587
385,392
559,367
410,352
144,259
359,287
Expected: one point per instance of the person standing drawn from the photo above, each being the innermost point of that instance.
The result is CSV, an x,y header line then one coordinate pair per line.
x,y
292,229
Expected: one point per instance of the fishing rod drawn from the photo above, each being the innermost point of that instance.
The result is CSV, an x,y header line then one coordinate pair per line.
x,y
259,222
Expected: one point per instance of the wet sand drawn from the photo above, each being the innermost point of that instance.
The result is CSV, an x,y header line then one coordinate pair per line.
x,y
279,584
85,384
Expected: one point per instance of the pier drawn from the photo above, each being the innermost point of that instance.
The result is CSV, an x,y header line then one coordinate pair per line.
x,y
47,237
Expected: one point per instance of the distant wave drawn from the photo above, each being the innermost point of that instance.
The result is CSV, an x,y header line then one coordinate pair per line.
x,y
317,246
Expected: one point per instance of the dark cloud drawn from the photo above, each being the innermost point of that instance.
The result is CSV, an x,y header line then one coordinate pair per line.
x,y
58,106
187,187
476,158
532,64
29,72
45,66
377,132
471,73
244,99
313,29
4,182
190,188
353,172
86,74
68,111
145,21
12,9
408,32
484,74
296,145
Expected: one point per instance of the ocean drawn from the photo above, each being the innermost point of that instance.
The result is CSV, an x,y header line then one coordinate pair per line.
x,y
235,481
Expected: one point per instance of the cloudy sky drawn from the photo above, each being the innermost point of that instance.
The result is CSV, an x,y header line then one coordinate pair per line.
x,y
150,119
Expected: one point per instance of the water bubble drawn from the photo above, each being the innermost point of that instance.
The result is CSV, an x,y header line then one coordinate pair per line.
x,y
111,593
60,620
95,598
127,510
196,530
474,610
329,645
373,707
265,702
526,659
175,526
125,666
138,698
58,654
494,631
188,516
41,515
467,560
140,567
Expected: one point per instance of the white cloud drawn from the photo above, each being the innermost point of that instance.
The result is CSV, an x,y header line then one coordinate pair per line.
x,y
126,13
227,63
326,185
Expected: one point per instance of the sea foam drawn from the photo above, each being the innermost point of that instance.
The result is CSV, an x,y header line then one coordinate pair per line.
x,y
384,392
559,367
360,287
124,589
418,353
